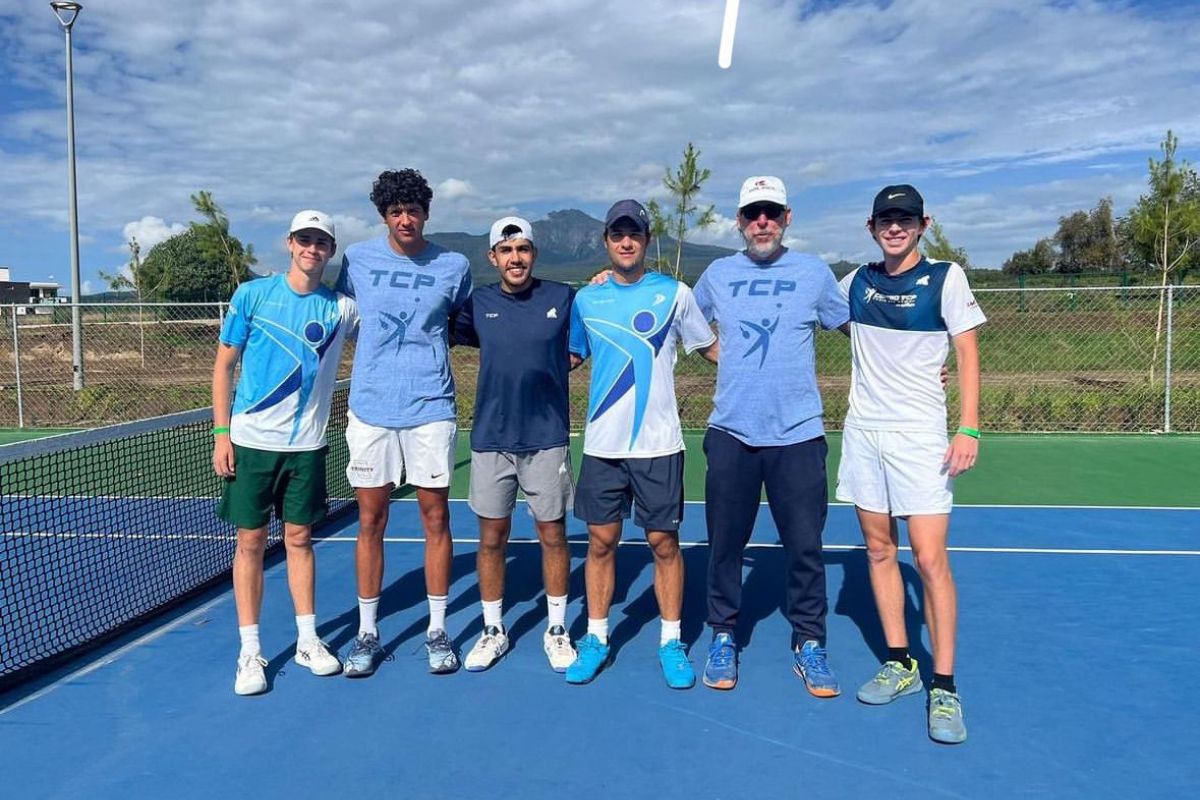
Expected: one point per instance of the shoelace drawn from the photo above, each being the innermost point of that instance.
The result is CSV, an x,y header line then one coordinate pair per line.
x,y
891,670
944,705
675,654
814,661
722,655
246,661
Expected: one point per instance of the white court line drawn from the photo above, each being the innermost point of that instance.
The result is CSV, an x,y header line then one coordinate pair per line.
x,y
1018,506
109,658
1067,551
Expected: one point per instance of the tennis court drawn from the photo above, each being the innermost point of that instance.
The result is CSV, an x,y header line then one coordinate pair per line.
x,y
1078,565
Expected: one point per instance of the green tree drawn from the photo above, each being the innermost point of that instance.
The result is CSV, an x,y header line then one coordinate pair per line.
x,y
684,184
1036,260
939,248
191,267
220,242
1164,226
1087,241
659,227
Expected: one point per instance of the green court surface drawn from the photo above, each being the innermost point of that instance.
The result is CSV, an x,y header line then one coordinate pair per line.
x,y
13,435
1016,469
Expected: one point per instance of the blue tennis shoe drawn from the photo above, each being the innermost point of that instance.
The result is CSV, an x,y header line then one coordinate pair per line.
x,y
591,657
721,669
677,670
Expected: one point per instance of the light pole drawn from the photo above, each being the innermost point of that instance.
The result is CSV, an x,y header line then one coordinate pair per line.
x,y
66,13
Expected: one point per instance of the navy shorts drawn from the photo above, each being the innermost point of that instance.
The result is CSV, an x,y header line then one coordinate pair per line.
x,y
607,488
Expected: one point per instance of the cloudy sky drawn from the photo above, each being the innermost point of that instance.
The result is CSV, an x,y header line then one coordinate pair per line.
x,y
1007,114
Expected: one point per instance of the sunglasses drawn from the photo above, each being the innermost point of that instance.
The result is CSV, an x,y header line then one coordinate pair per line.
x,y
753,212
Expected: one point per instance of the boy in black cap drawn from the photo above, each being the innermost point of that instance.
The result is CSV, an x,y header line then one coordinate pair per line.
x,y
905,311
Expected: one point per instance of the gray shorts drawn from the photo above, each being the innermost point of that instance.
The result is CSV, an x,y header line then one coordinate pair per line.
x,y
543,475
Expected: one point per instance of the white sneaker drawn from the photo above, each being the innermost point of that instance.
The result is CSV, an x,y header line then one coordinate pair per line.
x,y
487,651
559,651
250,678
315,655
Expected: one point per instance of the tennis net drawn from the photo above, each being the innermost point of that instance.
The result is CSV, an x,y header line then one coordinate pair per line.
x,y
99,530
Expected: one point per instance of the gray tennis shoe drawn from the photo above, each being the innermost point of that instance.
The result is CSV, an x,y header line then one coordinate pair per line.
x,y
442,658
364,658
946,717
892,681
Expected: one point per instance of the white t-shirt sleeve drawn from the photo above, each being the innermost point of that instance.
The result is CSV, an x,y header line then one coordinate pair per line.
x,y
348,307
844,283
694,329
959,307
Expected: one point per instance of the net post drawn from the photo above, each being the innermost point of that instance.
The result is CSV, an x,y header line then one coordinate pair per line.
x,y
17,367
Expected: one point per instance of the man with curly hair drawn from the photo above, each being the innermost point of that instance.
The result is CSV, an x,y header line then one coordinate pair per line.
x,y
402,422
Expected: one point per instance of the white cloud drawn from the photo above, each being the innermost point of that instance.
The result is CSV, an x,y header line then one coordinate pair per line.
x,y
453,189
150,231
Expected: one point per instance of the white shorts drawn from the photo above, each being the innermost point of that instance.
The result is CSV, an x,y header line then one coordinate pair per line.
x,y
890,472
421,456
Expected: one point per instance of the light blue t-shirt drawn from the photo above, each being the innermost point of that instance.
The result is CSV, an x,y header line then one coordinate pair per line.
x,y
291,344
401,376
630,332
767,316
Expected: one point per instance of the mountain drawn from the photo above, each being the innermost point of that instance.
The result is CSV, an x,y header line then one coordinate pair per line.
x,y
570,248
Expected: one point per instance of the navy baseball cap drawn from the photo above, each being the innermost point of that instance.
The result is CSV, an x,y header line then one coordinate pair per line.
x,y
631,210
901,198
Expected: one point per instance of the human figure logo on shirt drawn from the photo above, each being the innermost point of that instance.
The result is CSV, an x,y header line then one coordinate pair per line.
x,y
762,333
307,352
398,325
642,345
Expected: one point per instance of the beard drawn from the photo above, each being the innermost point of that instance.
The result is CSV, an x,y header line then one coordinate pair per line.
x,y
762,252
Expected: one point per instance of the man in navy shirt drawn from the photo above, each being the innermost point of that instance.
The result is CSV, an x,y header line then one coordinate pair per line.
x,y
520,436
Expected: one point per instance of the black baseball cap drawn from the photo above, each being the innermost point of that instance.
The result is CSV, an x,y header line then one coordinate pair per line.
x,y
902,198
631,210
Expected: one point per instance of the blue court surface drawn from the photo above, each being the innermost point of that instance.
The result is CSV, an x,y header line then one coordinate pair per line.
x,y
1077,654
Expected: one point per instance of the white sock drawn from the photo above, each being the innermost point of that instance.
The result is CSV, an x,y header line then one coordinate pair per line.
x,y
493,613
368,607
599,629
670,630
556,611
437,611
250,643
306,627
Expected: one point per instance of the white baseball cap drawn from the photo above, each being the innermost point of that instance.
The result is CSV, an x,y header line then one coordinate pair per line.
x,y
510,228
762,189
317,220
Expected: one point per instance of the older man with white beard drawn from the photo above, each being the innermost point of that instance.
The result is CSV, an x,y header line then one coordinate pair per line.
x,y
766,427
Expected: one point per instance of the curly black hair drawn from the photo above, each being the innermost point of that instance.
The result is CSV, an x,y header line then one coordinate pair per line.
x,y
395,187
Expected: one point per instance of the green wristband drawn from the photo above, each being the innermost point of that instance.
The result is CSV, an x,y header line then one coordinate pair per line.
x,y
965,431
225,429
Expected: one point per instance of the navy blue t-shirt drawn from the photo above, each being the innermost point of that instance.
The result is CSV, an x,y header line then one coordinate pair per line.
x,y
521,401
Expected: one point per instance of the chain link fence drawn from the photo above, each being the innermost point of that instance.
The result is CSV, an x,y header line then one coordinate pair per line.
x,y
1103,359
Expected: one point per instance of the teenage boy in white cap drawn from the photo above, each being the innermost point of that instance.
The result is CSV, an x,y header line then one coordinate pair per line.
x,y
897,463
521,433
633,443
288,331
766,428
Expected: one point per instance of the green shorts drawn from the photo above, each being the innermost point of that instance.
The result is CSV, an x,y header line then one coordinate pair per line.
x,y
292,483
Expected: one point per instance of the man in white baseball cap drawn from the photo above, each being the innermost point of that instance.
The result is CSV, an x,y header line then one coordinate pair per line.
x,y
269,442
766,428
521,433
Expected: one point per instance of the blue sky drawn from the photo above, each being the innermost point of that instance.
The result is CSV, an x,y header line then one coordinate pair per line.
x,y
1007,115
